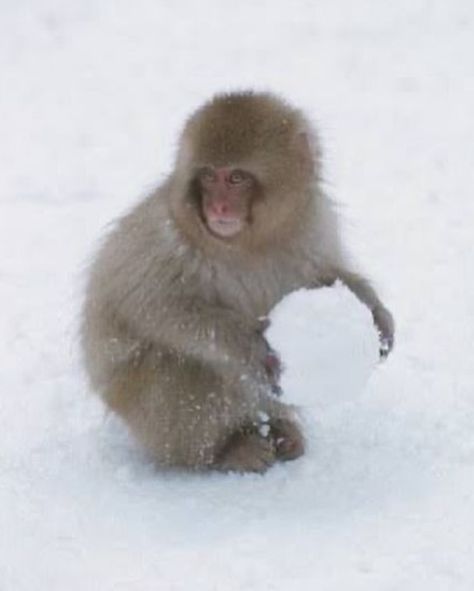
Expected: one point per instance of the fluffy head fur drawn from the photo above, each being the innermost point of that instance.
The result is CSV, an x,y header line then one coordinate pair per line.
x,y
260,133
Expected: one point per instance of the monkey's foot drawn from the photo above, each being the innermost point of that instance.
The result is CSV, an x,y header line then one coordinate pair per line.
x,y
246,452
288,439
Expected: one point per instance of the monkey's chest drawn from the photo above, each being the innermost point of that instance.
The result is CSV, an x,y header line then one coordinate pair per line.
x,y
255,291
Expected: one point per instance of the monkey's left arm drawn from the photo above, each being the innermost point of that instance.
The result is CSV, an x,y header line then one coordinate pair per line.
x,y
364,291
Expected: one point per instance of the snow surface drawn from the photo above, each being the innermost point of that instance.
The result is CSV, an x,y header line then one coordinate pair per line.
x,y
93,95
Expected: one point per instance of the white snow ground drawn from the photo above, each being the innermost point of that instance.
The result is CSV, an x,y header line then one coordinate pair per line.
x,y
92,96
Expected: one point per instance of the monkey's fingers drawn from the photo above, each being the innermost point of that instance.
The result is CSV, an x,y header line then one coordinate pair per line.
x,y
386,345
277,390
273,365
263,323
383,320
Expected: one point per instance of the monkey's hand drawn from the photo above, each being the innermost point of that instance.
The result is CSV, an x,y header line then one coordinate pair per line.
x,y
272,366
261,361
271,362
384,322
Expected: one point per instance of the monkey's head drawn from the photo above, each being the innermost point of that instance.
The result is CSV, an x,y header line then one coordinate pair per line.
x,y
244,170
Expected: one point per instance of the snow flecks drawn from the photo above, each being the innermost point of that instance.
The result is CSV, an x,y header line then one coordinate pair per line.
x,y
263,423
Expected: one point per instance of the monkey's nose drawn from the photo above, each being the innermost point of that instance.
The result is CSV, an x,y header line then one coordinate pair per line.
x,y
220,208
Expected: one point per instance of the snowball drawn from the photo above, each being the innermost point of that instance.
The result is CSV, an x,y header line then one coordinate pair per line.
x,y
327,343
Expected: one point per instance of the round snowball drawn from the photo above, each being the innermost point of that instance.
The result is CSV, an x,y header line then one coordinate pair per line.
x,y
327,343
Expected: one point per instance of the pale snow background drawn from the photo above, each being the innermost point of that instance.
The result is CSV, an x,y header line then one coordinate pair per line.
x,y
92,96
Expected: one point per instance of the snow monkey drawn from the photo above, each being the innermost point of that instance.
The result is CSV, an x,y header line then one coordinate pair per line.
x,y
174,315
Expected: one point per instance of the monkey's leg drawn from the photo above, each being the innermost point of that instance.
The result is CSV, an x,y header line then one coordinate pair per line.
x,y
287,439
246,451
284,430
275,435
187,415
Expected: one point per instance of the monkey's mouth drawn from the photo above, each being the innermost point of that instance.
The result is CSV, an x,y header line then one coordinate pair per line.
x,y
224,227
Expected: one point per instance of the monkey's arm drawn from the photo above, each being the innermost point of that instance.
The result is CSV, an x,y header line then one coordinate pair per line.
x,y
207,332
364,291
383,318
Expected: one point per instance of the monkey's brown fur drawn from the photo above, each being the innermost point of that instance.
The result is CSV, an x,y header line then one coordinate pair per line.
x,y
171,329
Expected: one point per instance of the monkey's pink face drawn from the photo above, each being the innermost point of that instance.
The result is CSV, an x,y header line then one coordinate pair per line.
x,y
226,195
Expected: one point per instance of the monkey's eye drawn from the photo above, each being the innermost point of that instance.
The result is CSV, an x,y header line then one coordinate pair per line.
x,y
237,176
207,175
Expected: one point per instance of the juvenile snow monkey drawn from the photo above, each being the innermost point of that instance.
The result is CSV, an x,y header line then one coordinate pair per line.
x,y
172,323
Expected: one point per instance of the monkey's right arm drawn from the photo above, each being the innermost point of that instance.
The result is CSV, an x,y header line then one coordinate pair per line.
x,y
141,287
213,334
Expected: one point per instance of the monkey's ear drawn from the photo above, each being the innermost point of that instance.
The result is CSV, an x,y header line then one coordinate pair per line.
x,y
304,151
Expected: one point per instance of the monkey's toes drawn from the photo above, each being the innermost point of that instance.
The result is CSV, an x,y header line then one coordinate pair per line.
x,y
288,439
247,452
